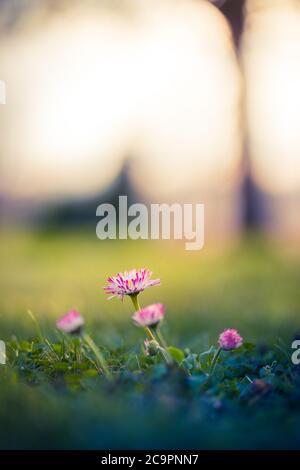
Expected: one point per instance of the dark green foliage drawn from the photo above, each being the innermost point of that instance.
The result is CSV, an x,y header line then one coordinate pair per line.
x,y
53,396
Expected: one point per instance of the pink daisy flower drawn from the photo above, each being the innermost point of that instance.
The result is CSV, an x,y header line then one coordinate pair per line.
x,y
150,347
149,316
130,283
230,339
71,322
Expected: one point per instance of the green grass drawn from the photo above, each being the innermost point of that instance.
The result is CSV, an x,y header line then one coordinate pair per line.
x,y
52,398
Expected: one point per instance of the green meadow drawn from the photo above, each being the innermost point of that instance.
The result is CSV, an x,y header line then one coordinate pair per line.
x,y
52,396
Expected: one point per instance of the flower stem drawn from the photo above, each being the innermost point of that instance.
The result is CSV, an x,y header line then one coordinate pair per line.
x,y
163,348
167,356
136,304
149,333
135,301
214,361
164,352
160,337
99,357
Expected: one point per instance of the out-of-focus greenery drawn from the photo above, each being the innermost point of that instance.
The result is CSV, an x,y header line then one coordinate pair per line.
x,y
51,398
248,285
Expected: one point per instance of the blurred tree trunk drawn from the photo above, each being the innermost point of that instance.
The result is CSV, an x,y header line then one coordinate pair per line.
x,y
251,197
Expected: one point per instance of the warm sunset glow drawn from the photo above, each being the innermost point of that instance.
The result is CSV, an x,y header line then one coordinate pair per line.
x,y
272,64
97,84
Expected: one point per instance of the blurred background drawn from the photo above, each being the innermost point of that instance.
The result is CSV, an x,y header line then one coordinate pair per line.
x,y
166,101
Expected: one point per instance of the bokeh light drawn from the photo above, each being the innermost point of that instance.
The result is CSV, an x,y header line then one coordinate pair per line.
x,y
160,81
272,69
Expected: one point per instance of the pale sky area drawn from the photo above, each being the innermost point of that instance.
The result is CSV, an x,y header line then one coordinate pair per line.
x,y
85,88
272,66
159,81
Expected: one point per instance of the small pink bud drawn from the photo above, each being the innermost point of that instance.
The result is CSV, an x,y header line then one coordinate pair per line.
x,y
230,339
151,347
71,322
